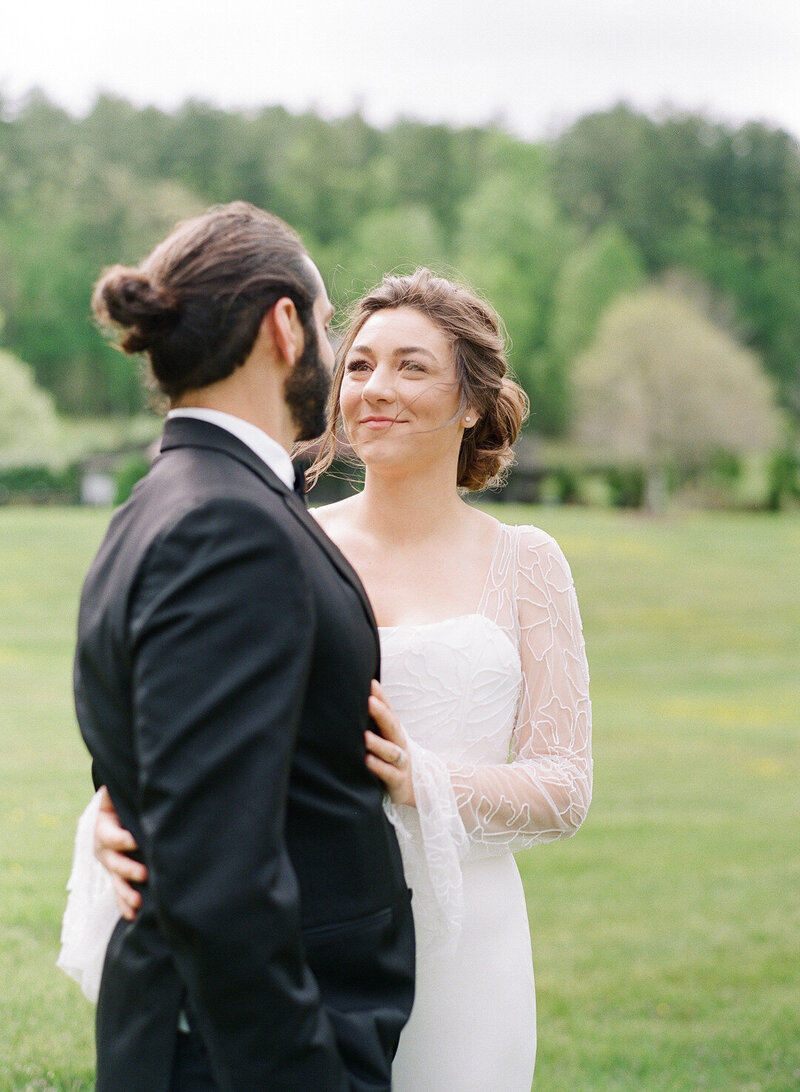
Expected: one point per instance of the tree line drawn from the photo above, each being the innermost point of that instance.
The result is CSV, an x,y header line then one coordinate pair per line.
x,y
552,232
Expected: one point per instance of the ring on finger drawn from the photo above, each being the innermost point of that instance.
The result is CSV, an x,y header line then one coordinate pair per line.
x,y
401,759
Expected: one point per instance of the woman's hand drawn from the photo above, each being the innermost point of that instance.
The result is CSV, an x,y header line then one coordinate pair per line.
x,y
388,754
112,843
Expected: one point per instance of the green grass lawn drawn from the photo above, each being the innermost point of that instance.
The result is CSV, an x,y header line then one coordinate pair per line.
x,y
666,934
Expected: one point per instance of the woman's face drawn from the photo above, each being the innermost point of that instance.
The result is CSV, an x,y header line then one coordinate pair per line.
x,y
400,398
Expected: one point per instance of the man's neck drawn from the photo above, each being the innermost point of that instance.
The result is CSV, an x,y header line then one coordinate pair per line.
x,y
274,420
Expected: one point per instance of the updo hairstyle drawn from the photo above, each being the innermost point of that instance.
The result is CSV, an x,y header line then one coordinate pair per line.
x,y
195,304
478,344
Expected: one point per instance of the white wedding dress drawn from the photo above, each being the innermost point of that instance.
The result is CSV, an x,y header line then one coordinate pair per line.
x,y
496,708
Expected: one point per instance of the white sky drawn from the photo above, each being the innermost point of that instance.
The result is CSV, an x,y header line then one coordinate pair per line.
x,y
535,65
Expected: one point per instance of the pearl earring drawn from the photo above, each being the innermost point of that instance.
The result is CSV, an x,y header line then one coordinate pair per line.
x,y
467,420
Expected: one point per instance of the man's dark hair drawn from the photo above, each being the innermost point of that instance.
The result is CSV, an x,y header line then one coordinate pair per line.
x,y
195,304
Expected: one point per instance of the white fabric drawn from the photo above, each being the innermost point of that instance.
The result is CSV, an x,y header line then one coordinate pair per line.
x,y
268,450
473,1025
496,705
91,912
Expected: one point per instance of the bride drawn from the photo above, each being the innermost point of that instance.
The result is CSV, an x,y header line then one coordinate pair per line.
x,y
485,742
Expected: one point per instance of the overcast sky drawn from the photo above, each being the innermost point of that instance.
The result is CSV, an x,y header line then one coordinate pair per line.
x,y
535,65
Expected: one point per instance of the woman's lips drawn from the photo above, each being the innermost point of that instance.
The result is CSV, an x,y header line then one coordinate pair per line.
x,y
378,423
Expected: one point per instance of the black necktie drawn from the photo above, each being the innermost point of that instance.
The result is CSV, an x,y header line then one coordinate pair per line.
x,y
300,483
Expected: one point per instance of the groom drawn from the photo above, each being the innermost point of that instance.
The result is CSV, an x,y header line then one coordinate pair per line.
x,y
224,659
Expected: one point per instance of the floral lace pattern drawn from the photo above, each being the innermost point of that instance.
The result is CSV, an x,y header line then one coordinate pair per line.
x,y
496,705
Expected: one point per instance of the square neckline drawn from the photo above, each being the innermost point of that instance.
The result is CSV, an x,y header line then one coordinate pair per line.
x,y
478,612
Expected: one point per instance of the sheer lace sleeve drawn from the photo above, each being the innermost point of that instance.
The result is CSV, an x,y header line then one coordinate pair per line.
x,y
432,842
91,912
544,790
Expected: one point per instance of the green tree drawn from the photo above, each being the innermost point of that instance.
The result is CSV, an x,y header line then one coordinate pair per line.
x,y
396,239
549,231
512,243
591,277
720,201
608,169
28,421
662,386
95,214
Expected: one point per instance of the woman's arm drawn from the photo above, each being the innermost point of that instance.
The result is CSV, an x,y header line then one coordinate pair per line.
x,y
544,791
112,844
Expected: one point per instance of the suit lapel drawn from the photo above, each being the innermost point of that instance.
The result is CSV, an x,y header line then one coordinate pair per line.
x,y
191,432
301,513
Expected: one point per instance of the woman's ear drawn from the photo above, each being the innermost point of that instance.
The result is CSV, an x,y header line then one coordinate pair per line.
x,y
284,329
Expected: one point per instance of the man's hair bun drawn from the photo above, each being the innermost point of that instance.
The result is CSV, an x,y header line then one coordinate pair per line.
x,y
143,311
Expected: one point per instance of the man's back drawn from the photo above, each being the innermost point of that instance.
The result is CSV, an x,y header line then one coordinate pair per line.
x,y
224,661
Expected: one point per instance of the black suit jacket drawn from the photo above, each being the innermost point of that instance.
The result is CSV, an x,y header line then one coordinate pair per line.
x,y
224,658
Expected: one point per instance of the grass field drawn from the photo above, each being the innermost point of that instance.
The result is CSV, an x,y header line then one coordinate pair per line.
x,y
666,934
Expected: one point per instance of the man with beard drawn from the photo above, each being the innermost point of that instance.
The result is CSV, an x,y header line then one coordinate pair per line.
x,y
224,661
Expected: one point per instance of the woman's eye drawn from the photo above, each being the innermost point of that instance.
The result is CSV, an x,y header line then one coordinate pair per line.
x,y
356,366
413,366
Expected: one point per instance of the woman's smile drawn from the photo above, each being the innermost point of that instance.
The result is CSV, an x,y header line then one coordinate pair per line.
x,y
377,423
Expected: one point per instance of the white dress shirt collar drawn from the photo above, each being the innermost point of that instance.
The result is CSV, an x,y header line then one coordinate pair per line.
x,y
268,450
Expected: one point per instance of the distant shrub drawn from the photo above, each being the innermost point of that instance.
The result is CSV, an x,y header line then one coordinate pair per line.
x,y
39,485
127,476
568,486
726,466
783,474
626,487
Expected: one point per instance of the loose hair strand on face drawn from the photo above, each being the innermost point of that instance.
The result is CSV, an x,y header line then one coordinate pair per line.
x,y
479,352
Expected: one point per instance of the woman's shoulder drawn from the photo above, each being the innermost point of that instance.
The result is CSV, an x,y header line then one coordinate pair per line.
x,y
528,535
329,515
535,548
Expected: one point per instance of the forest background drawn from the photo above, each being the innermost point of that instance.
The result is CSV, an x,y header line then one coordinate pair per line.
x,y
647,270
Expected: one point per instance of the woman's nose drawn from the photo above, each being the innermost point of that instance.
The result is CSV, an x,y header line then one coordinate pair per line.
x,y
379,387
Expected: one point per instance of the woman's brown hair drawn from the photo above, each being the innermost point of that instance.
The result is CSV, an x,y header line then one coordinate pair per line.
x,y
479,353
195,304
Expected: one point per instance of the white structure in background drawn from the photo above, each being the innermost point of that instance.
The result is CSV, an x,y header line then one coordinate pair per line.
x,y
97,488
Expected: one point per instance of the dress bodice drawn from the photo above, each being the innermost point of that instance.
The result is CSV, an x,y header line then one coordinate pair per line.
x,y
454,685
495,705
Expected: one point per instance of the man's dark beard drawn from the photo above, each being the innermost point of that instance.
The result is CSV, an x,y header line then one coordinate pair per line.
x,y
306,391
